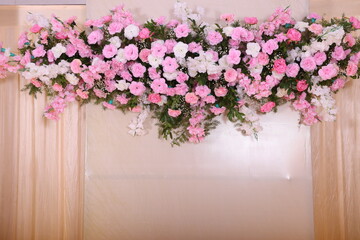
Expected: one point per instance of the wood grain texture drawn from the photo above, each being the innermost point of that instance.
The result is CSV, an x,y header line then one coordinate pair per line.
x,y
42,161
336,153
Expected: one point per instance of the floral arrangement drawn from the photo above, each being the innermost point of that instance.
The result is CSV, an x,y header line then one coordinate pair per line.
x,y
185,72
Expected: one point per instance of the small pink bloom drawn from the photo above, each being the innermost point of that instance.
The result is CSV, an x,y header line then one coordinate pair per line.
x,y
57,87
182,30
270,46
242,34
191,98
137,88
230,75
39,51
209,99
308,64
131,52
144,53
251,20
70,50
202,91
329,71
158,50
293,34
214,37
217,110
280,65
108,105
153,74
154,98
75,66
234,56
115,27
36,83
136,109
194,47
229,18
351,69
301,85
339,53
82,94
174,113
95,36
35,29
267,107
320,58
99,93
138,70
109,51
292,70
316,28
338,83
144,33
159,86
170,44
182,77
169,65
355,22
263,58
122,99
50,56
221,91
349,39
313,16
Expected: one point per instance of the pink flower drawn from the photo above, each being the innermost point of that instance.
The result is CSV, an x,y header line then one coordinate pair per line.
x,y
209,99
217,110
214,37
202,91
181,89
251,20
57,87
191,98
320,58
160,20
99,93
136,109
122,99
229,18
221,91
170,44
301,85
95,36
339,53
182,30
329,71
349,39
269,46
194,47
70,50
22,40
153,74
242,34
301,104
137,88
267,107
338,83
108,105
182,77
230,75
39,51
234,56
144,33
313,16
35,29
131,52
154,98
50,56
138,70
355,22
158,50
169,65
82,94
280,65
109,51
308,64
315,28
36,83
174,113
144,54
292,70
263,58
293,34
159,86
115,27
351,69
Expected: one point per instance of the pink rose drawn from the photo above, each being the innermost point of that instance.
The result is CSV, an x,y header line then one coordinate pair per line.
x,y
263,58
174,113
308,64
214,37
35,29
221,91
217,110
234,56
144,54
39,51
293,34
339,53
349,39
202,91
320,58
230,75
315,28
229,18
154,98
144,33
109,51
301,85
209,99
57,87
131,52
95,36
137,88
292,70
351,69
169,65
338,83
329,71
280,65
242,34
191,98
182,30
138,70
267,107
269,46
115,27
75,66
355,22
251,20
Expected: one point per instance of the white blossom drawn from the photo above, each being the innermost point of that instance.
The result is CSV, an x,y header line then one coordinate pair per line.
x,y
131,31
253,49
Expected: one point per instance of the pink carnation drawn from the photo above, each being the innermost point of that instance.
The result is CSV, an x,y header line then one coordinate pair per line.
x,y
214,37
251,20
230,75
280,65
262,58
82,94
35,29
182,30
70,50
144,33
349,39
182,77
137,88
158,50
109,51
242,34
292,70
301,85
267,107
122,99
191,98
174,113
308,64
159,86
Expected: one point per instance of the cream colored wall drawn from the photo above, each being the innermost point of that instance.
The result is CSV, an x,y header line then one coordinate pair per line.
x,y
228,187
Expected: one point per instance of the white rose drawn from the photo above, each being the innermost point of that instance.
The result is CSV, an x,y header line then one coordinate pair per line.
x,y
115,41
58,50
301,26
131,31
228,31
253,49
154,61
180,50
72,79
223,63
170,76
120,56
122,85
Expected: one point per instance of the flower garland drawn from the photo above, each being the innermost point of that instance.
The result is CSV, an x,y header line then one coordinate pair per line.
x,y
185,72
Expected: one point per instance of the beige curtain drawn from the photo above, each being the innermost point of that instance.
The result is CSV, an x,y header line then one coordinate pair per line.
x,y
336,153
41,161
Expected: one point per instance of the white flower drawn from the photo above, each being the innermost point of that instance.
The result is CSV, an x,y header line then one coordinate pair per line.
x,y
131,31
253,49
115,41
223,63
38,19
281,92
154,61
72,79
120,56
228,30
301,26
170,76
122,85
257,69
58,50
180,50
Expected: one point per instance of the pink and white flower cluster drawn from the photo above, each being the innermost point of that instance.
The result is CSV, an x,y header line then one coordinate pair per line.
x,y
186,72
